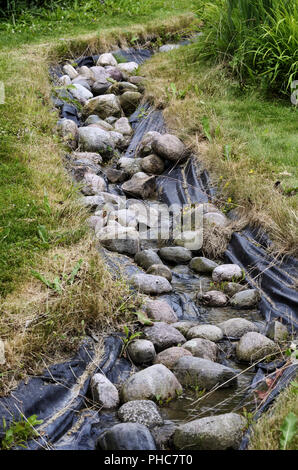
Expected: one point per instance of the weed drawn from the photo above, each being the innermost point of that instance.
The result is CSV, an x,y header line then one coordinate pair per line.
x,y
288,430
19,432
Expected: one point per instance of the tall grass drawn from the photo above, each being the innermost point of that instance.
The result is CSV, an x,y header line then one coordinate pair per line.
x,y
257,39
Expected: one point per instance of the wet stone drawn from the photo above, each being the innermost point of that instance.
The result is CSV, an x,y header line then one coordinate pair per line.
x,y
203,348
160,270
141,351
126,436
163,336
170,356
245,299
237,327
160,311
149,284
211,332
175,254
140,411
255,346
147,258
202,265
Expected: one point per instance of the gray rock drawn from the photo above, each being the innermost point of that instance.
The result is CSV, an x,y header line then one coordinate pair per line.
x,y
184,326
175,254
99,73
203,348
92,157
70,71
86,72
121,87
83,82
94,184
129,244
215,218
277,331
65,80
149,284
141,351
2,353
215,298
169,147
128,67
202,265
94,139
94,119
153,165
80,93
116,176
114,73
103,106
202,373
169,47
145,146
227,272
232,288
104,392
163,336
130,165
106,59
122,125
100,87
129,101
147,258
118,139
254,346
124,217
68,130
237,327
126,436
190,239
160,270
160,311
221,432
149,383
170,356
140,411
211,332
140,185
245,299
163,435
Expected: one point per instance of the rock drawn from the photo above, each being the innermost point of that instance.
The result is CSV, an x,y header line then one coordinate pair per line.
x,y
68,130
103,106
141,351
114,73
190,239
90,160
202,265
94,119
149,383
163,435
163,336
104,392
118,139
184,326
140,411
147,258
254,346
211,332
215,298
140,185
245,298
203,348
124,217
277,331
126,436
160,311
202,373
237,327
128,67
175,254
149,284
153,165
2,353
115,176
227,272
221,432
100,87
131,166
106,59
170,356
122,125
94,184
129,101
70,71
65,80
169,147
145,146
83,82
99,73
160,270
128,244
231,288
85,72
80,93
94,139
121,87
168,47
215,218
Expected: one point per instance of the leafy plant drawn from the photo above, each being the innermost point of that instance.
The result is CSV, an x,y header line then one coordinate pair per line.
x,y
288,430
174,93
206,127
128,338
19,432
57,284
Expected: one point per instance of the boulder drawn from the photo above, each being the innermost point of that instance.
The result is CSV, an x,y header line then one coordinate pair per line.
x,y
103,106
245,298
114,73
203,348
80,93
121,240
202,265
221,432
104,392
141,351
100,87
149,284
124,217
68,130
128,67
80,80
231,288
85,72
140,185
126,436
93,184
175,254
205,374
170,356
169,147
130,101
254,347
118,139
184,326
94,139
277,331
227,272
153,165
214,298
163,434
145,146
215,218
140,411
190,239
94,119
154,381
106,59
122,125
163,336
147,258
115,176
70,71
99,73
160,311
160,270
211,332
121,87
237,327
130,165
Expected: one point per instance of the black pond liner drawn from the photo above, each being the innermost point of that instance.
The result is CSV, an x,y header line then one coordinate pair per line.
x,y
60,395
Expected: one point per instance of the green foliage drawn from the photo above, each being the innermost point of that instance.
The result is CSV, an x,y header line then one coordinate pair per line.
x,y
19,432
257,39
129,337
58,284
288,430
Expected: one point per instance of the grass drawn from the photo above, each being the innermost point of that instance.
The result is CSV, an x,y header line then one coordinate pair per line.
x,y
246,141
266,432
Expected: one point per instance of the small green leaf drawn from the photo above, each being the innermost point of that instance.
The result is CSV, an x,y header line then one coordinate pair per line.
x,y
288,430
143,319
